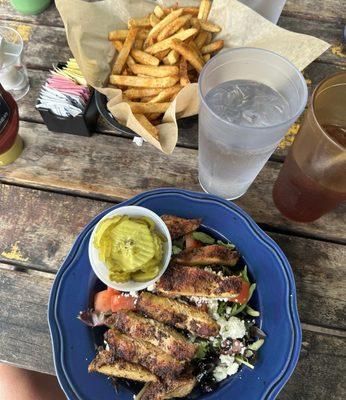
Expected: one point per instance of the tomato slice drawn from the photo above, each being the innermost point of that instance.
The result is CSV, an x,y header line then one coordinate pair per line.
x,y
102,301
112,291
243,295
191,242
120,302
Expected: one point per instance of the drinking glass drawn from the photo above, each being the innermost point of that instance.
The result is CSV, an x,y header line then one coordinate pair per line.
x,y
13,74
231,156
312,180
270,9
30,6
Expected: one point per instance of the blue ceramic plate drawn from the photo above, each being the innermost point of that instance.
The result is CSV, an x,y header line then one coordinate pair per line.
x,y
73,342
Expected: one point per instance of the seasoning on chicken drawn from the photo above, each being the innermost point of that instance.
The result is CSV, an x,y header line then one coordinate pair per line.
x,y
105,363
178,314
140,352
194,281
156,333
208,255
180,226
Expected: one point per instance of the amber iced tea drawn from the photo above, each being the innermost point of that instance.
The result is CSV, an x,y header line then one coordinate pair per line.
x,y
313,178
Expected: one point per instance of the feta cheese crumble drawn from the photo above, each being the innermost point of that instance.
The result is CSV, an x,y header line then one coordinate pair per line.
x,y
233,328
226,367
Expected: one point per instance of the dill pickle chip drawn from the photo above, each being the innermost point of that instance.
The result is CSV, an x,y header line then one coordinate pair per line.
x,y
103,227
147,275
119,276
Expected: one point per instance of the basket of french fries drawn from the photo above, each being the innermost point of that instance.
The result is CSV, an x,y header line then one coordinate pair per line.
x,y
146,56
160,54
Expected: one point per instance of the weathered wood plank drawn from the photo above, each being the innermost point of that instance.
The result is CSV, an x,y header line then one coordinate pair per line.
x,y
24,339
320,279
321,10
33,242
113,168
43,45
319,371
49,17
24,335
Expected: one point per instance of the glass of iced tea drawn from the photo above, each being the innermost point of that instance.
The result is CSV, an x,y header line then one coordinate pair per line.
x,y
312,180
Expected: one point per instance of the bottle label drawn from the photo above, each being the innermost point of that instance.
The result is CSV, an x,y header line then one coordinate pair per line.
x,y
5,112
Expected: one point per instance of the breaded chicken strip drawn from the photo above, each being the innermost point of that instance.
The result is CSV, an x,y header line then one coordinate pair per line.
x,y
138,351
105,363
156,333
208,255
194,281
176,313
180,226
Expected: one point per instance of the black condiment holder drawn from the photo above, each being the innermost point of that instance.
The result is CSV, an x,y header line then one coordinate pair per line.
x,y
81,125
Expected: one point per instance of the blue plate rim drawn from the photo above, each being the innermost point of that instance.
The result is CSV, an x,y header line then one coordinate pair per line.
x,y
274,387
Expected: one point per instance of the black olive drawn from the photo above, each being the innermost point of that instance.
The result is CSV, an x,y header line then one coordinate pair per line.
x,y
208,384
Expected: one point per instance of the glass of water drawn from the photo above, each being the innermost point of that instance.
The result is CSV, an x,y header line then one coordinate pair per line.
x,y
13,73
249,99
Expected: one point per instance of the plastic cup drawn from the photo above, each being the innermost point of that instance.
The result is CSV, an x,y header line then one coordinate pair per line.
x,y
231,156
30,6
13,73
270,9
312,180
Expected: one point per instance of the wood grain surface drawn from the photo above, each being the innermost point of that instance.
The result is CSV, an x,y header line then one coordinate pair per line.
x,y
25,341
114,168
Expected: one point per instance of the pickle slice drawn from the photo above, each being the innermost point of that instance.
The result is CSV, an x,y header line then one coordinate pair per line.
x,y
103,227
147,275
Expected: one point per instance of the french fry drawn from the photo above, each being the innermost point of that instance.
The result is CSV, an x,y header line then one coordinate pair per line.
x,y
147,108
144,82
119,34
125,51
143,120
167,20
184,50
165,94
212,47
153,116
172,58
201,39
144,58
140,93
184,78
159,72
162,54
204,9
143,34
173,27
139,22
146,99
195,23
195,49
158,11
209,27
118,47
167,43
138,44
154,20
209,38
191,10
206,57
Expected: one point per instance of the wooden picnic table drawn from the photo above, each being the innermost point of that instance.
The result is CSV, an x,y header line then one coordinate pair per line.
x,y
61,181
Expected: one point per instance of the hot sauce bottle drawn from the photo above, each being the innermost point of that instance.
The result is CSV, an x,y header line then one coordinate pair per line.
x,y
11,144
